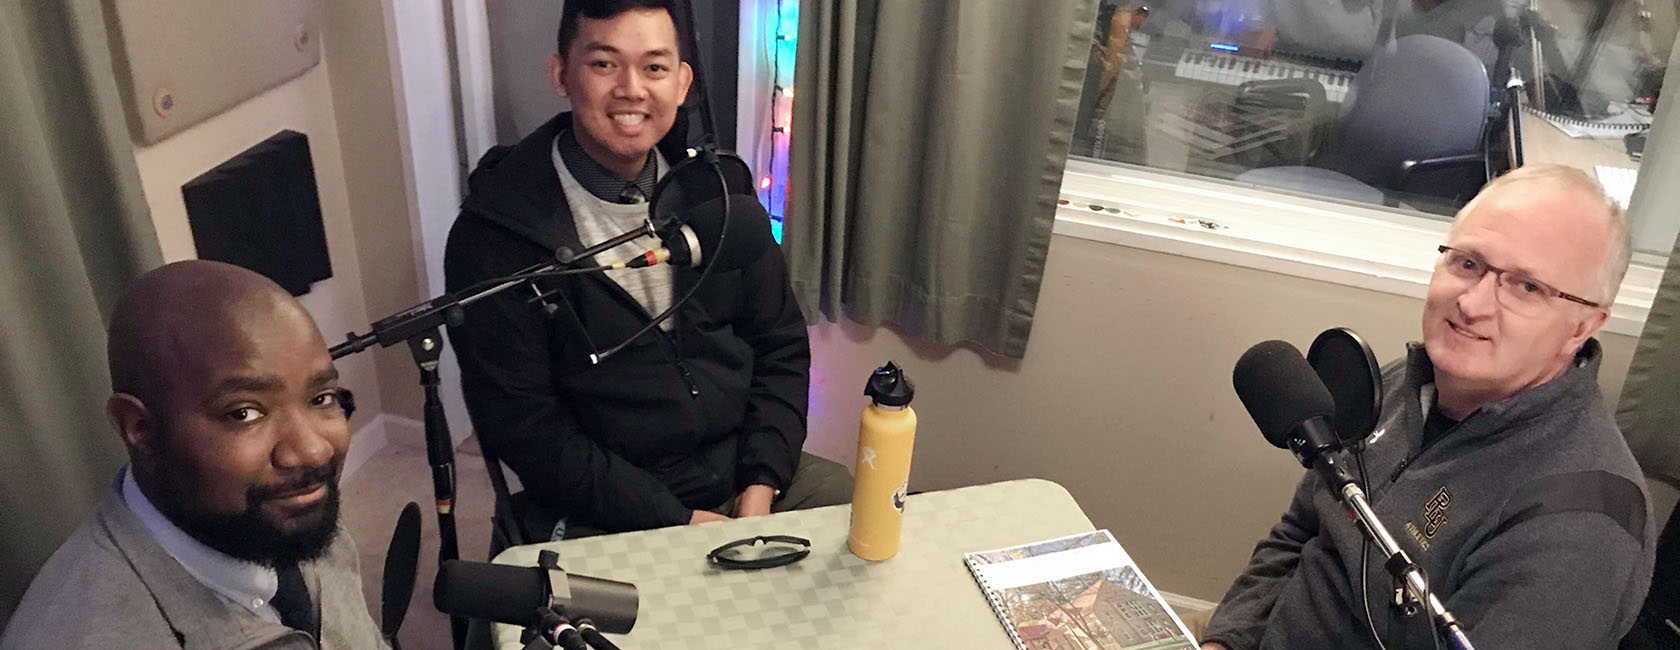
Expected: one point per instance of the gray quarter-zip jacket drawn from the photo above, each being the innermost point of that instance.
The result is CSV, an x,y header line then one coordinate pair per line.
x,y
1530,519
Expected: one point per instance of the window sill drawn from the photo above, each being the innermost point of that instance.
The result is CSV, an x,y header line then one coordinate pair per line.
x,y
1359,246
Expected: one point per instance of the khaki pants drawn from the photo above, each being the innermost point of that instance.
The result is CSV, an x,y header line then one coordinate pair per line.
x,y
817,482
1197,622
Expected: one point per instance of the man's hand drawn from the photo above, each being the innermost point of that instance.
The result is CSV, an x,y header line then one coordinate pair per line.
x,y
703,516
1214,646
754,501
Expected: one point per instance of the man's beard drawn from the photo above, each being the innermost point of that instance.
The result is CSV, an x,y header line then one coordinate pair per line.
x,y
250,537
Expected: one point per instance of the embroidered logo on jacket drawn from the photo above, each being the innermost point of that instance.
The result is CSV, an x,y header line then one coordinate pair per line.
x,y
1434,516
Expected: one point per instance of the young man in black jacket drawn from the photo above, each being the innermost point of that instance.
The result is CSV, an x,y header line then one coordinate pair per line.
x,y
696,420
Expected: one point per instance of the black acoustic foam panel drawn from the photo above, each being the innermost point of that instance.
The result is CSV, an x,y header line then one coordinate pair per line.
x,y
260,210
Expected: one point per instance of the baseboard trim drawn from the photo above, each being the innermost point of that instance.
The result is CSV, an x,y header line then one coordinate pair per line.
x,y
364,443
384,429
1186,603
405,431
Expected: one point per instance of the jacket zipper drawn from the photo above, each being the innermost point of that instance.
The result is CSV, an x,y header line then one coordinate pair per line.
x,y
672,350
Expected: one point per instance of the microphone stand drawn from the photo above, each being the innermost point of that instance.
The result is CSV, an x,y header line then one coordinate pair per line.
x,y
419,327
1397,562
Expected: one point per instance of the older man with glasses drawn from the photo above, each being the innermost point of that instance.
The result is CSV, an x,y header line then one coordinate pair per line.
x,y
1496,462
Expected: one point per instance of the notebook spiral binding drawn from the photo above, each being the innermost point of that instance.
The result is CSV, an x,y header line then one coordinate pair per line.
x,y
991,597
1587,124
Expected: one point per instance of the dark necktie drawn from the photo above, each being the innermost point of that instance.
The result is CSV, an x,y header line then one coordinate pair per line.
x,y
292,601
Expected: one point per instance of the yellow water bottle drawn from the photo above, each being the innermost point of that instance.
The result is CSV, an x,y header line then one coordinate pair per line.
x,y
886,436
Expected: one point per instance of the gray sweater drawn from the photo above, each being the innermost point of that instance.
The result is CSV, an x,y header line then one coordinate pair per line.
x,y
1529,517
112,586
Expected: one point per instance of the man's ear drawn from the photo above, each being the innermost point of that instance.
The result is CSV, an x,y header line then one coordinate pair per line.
x,y
685,76
1585,327
556,69
134,424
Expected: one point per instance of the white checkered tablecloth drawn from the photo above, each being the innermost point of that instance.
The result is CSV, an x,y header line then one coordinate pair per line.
x,y
923,598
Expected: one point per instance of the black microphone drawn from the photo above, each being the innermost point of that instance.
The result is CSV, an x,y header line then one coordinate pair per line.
x,y
518,595
1291,406
694,242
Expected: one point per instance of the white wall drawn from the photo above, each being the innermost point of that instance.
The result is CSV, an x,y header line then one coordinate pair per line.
x,y
303,105
427,127
1125,398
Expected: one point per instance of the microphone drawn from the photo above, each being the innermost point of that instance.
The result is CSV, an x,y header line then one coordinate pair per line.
x,y
694,243
519,595
1291,406
1284,395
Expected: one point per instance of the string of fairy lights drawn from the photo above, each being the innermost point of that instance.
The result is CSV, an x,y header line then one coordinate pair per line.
x,y
782,43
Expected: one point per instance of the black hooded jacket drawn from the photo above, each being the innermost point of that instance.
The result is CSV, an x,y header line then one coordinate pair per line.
x,y
675,421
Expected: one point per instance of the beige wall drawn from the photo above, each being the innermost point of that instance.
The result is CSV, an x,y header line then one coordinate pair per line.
x,y
1124,397
346,106
303,105
364,101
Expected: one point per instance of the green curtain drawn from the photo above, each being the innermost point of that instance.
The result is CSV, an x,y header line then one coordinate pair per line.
x,y
1649,412
74,229
928,143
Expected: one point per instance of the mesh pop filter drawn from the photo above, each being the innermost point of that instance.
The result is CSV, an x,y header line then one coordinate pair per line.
x,y
1350,371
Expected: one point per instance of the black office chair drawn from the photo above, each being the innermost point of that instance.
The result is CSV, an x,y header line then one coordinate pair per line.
x,y
1416,124
1658,625
506,527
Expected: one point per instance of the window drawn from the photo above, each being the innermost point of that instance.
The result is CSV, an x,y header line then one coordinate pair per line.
x,y
1396,108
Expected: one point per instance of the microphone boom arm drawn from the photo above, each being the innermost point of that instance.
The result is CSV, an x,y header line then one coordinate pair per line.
x,y
1401,566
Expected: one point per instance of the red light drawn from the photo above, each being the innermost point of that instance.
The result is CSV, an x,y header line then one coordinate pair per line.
x,y
764,184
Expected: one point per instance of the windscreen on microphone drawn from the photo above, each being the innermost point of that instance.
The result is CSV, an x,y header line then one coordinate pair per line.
x,y
491,592
1280,390
517,595
748,226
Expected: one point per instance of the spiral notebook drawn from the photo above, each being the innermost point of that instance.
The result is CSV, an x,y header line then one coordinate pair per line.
x,y
1077,592
1624,121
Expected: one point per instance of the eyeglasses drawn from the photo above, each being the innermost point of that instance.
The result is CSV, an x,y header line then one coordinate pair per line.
x,y
1518,291
772,551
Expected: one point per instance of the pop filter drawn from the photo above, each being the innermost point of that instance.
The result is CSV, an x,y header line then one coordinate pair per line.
x,y
1349,370
402,560
692,182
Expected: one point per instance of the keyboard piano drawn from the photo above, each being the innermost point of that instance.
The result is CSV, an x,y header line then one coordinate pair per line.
x,y
1225,64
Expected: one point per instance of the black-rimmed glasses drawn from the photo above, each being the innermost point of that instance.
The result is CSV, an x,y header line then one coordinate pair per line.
x,y
760,552
1518,291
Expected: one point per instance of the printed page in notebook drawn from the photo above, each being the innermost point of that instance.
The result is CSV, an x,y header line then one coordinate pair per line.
x,y
1081,592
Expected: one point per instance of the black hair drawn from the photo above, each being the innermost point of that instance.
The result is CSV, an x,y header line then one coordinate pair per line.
x,y
604,9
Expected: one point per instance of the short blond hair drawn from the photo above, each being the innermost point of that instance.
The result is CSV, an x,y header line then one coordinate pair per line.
x,y
1619,240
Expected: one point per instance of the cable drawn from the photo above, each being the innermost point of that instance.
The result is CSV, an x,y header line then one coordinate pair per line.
x,y
1364,553
593,636
704,272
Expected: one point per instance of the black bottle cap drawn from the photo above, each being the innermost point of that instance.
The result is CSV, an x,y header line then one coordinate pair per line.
x,y
889,387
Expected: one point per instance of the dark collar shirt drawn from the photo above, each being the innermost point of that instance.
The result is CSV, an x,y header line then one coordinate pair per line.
x,y
600,181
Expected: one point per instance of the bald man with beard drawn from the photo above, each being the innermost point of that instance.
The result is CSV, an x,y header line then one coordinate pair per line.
x,y
222,531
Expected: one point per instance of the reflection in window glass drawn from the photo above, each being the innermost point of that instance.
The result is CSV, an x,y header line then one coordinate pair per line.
x,y
1413,104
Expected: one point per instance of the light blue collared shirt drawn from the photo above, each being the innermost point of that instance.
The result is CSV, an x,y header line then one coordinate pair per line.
x,y
244,584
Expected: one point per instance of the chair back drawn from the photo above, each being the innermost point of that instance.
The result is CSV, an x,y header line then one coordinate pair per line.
x,y
1416,98
505,528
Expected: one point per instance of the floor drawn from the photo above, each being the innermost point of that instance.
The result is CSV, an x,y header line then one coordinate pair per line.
x,y
375,494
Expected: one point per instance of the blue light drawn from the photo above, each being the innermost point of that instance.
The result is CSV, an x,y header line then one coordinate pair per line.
x,y
776,229
1223,46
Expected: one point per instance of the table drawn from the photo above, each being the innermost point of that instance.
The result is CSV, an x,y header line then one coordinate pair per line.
x,y
923,598
1544,143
